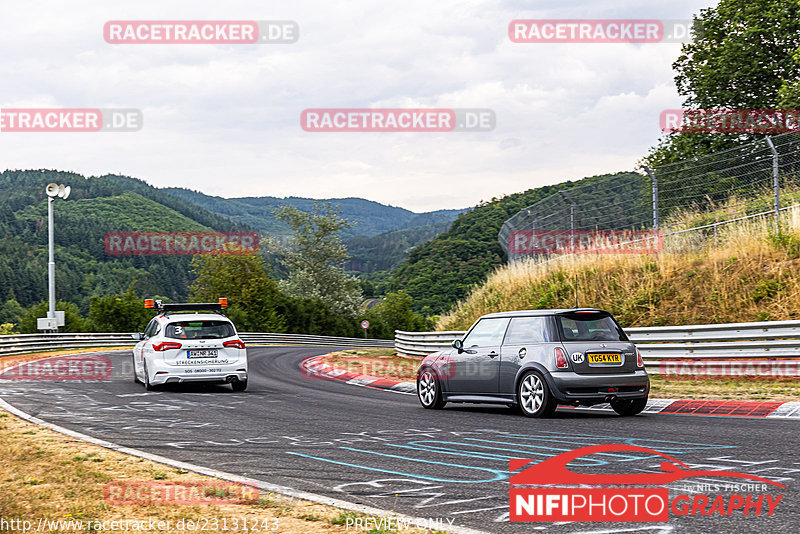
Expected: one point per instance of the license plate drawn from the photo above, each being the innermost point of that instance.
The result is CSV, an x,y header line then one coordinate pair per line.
x,y
604,359
203,353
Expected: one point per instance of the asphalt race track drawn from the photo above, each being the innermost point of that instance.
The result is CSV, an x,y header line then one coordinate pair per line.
x,y
382,449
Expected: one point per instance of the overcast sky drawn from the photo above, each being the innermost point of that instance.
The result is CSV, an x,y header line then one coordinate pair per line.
x,y
225,119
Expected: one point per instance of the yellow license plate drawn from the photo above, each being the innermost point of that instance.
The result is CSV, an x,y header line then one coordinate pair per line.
x,y
604,359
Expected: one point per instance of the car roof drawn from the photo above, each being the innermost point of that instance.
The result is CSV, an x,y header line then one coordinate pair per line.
x,y
541,313
171,317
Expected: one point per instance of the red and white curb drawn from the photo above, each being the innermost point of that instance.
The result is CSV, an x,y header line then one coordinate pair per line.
x,y
720,408
771,410
313,367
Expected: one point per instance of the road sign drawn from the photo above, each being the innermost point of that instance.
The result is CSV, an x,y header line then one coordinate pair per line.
x,y
364,324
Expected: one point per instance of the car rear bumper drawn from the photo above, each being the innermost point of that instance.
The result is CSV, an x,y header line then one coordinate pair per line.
x,y
172,374
572,388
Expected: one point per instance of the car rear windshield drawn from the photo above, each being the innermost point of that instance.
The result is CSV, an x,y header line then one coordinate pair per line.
x,y
199,330
589,327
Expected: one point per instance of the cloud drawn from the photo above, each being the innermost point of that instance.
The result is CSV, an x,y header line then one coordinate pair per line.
x,y
224,119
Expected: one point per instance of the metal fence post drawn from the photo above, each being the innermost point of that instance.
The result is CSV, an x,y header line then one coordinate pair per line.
x,y
775,184
655,195
571,220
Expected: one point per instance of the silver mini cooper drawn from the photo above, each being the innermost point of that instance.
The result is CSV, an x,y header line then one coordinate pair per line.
x,y
535,360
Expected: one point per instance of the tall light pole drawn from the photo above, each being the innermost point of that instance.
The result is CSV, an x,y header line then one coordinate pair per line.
x,y
52,191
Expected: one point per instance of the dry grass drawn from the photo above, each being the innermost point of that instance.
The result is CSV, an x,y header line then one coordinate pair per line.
x,y
382,363
45,474
748,276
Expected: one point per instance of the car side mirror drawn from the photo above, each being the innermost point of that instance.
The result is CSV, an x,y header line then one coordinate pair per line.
x,y
138,336
458,345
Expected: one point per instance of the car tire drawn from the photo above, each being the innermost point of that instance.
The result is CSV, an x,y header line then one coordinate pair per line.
x,y
629,407
239,385
135,376
534,398
429,391
147,385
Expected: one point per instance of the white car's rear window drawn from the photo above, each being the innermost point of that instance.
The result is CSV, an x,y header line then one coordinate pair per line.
x,y
199,330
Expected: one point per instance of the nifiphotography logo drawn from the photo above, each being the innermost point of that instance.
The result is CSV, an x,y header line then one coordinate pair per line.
x,y
549,491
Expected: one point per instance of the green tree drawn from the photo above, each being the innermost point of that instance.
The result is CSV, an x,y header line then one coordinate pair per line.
x,y
395,312
789,93
254,298
123,312
316,256
11,312
742,58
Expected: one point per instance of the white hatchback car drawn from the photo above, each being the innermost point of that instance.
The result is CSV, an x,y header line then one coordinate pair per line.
x,y
189,347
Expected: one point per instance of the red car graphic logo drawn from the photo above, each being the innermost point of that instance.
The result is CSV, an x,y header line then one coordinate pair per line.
x,y
554,470
549,491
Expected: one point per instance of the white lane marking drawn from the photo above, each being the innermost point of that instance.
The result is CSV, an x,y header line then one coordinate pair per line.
x,y
787,410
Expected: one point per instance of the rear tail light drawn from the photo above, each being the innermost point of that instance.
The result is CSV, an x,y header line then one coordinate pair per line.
x,y
561,359
234,344
166,345
639,360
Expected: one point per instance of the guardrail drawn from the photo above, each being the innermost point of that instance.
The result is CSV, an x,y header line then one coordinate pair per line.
x,y
22,343
769,348
306,339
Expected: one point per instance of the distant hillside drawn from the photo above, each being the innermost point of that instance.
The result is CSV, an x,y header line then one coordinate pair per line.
x,y
388,250
750,275
371,218
441,272
96,205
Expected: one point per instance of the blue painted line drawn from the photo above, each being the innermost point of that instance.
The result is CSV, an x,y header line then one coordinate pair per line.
x,y
641,442
499,474
619,457
402,473
512,453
